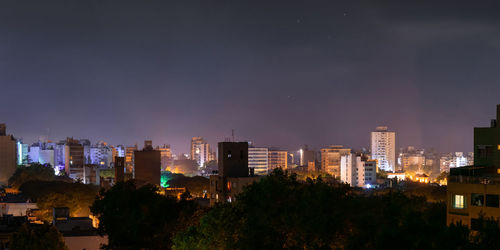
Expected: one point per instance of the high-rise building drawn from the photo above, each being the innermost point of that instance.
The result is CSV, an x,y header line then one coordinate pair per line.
x,y
147,165
277,159
330,159
258,160
8,156
383,145
200,151
357,171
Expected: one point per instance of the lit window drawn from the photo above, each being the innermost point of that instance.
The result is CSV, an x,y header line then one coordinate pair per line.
x,y
498,147
459,201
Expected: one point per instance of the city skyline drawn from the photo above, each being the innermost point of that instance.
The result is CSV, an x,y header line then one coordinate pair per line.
x,y
316,73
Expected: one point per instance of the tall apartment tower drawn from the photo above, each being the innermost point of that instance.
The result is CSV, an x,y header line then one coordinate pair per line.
x,y
200,151
7,155
147,165
383,145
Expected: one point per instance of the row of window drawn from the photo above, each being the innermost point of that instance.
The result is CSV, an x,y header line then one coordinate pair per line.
x,y
477,200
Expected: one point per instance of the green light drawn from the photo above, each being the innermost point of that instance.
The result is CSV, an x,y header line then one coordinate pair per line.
x,y
165,177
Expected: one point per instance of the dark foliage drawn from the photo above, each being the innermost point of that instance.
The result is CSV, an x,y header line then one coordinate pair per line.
x,y
34,236
281,212
140,218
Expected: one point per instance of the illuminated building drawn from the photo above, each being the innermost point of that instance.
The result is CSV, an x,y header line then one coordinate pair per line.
x,y
397,175
258,160
383,145
277,159
120,151
33,153
358,171
22,153
474,191
129,158
234,173
306,156
330,159
455,160
101,154
422,178
412,158
46,156
76,158
166,156
147,165
61,156
200,151
8,155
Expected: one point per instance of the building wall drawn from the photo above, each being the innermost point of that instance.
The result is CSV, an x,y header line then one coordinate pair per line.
x,y
470,211
330,159
200,151
487,144
277,159
8,158
147,166
258,159
46,156
93,242
383,148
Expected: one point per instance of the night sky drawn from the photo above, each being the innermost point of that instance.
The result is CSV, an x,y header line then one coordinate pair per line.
x,y
281,73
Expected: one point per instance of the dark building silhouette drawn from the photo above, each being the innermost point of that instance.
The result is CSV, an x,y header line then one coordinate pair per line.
x,y
233,159
234,173
147,165
487,144
8,157
119,169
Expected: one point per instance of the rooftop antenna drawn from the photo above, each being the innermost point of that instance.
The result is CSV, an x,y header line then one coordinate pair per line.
x,y
232,134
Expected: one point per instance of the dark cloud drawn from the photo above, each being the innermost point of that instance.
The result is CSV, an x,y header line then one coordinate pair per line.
x,y
281,73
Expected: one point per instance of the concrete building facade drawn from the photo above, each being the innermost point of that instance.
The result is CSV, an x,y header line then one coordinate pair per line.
x,y
8,155
383,148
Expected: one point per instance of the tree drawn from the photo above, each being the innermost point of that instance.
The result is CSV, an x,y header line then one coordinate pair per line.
x,y
35,236
35,171
197,185
138,217
281,212
78,197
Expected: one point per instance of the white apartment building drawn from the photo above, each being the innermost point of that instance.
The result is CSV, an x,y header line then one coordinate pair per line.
x,y
358,171
383,146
